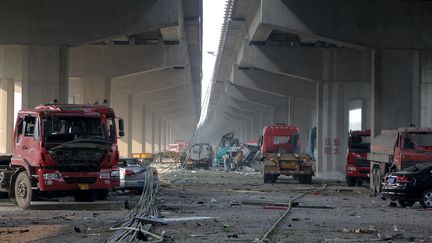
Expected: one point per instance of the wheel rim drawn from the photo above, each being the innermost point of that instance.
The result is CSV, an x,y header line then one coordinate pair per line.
x,y
427,199
22,190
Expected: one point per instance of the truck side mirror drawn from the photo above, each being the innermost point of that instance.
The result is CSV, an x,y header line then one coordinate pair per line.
x,y
121,127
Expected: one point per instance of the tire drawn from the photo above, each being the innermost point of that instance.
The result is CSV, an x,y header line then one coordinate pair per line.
x,y
102,194
405,203
359,182
85,196
274,178
23,190
305,179
426,199
268,178
350,181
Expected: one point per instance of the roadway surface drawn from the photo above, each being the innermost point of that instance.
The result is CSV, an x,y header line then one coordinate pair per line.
x,y
336,214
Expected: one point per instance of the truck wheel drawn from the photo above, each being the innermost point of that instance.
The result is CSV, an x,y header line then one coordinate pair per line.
x,y
350,181
274,178
23,190
426,199
85,196
359,182
305,179
406,203
268,178
102,194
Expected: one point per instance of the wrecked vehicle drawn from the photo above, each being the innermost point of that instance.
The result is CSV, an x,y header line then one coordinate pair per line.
x,y
62,149
132,174
226,145
199,155
410,185
280,146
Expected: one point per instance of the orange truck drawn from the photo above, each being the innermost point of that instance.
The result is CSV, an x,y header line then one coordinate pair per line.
x,y
280,154
395,150
62,150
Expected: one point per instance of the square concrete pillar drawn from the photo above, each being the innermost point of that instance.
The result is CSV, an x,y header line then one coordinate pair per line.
x,y
45,75
7,89
395,89
148,125
122,105
300,115
332,130
137,128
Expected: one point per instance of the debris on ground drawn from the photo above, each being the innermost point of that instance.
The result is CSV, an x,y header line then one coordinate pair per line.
x,y
77,229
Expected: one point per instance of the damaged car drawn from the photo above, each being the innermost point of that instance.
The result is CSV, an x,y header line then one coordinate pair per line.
x,y
410,185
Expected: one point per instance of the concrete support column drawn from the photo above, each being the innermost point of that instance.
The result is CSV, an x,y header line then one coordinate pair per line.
x,y
123,107
148,128
137,128
45,75
426,89
395,86
300,115
7,89
332,130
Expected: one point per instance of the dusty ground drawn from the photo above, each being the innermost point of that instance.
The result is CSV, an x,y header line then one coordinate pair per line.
x,y
219,194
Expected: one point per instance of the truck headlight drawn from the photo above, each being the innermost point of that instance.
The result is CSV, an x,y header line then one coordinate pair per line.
x,y
105,175
51,176
351,168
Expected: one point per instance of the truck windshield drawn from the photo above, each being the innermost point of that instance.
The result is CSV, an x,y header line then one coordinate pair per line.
x,y
417,141
358,142
65,129
281,140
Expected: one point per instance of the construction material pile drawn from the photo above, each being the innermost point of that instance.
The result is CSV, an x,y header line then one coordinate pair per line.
x,y
132,229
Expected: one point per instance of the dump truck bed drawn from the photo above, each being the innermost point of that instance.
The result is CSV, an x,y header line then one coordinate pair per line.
x,y
382,146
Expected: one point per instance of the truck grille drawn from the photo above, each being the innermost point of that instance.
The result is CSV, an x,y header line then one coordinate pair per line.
x,y
79,180
77,160
362,162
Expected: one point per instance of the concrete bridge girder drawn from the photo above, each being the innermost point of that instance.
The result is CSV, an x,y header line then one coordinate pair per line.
x,y
244,93
307,63
28,26
296,17
274,83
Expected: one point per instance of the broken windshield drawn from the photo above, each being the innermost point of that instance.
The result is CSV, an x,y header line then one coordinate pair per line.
x,y
65,129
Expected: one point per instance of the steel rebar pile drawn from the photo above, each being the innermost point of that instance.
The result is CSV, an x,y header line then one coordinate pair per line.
x,y
131,229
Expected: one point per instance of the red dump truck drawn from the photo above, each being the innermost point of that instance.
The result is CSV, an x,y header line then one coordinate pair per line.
x,y
280,146
395,150
357,165
60,150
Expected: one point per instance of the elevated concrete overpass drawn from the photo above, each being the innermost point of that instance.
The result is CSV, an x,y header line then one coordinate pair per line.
x,y
308,63
144,57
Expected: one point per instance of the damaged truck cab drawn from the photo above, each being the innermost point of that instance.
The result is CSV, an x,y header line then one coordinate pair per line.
x,y
61,150
280,154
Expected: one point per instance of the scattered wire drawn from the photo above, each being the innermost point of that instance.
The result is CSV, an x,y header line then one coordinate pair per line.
x,y
131,229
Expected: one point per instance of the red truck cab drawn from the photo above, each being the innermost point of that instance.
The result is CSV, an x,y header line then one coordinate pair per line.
x,y
278,138
357,165
280,152
63,148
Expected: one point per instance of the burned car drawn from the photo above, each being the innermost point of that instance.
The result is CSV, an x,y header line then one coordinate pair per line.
x,y
410,185
132,174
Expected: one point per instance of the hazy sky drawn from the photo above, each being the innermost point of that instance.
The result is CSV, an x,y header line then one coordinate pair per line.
x,y
213,11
